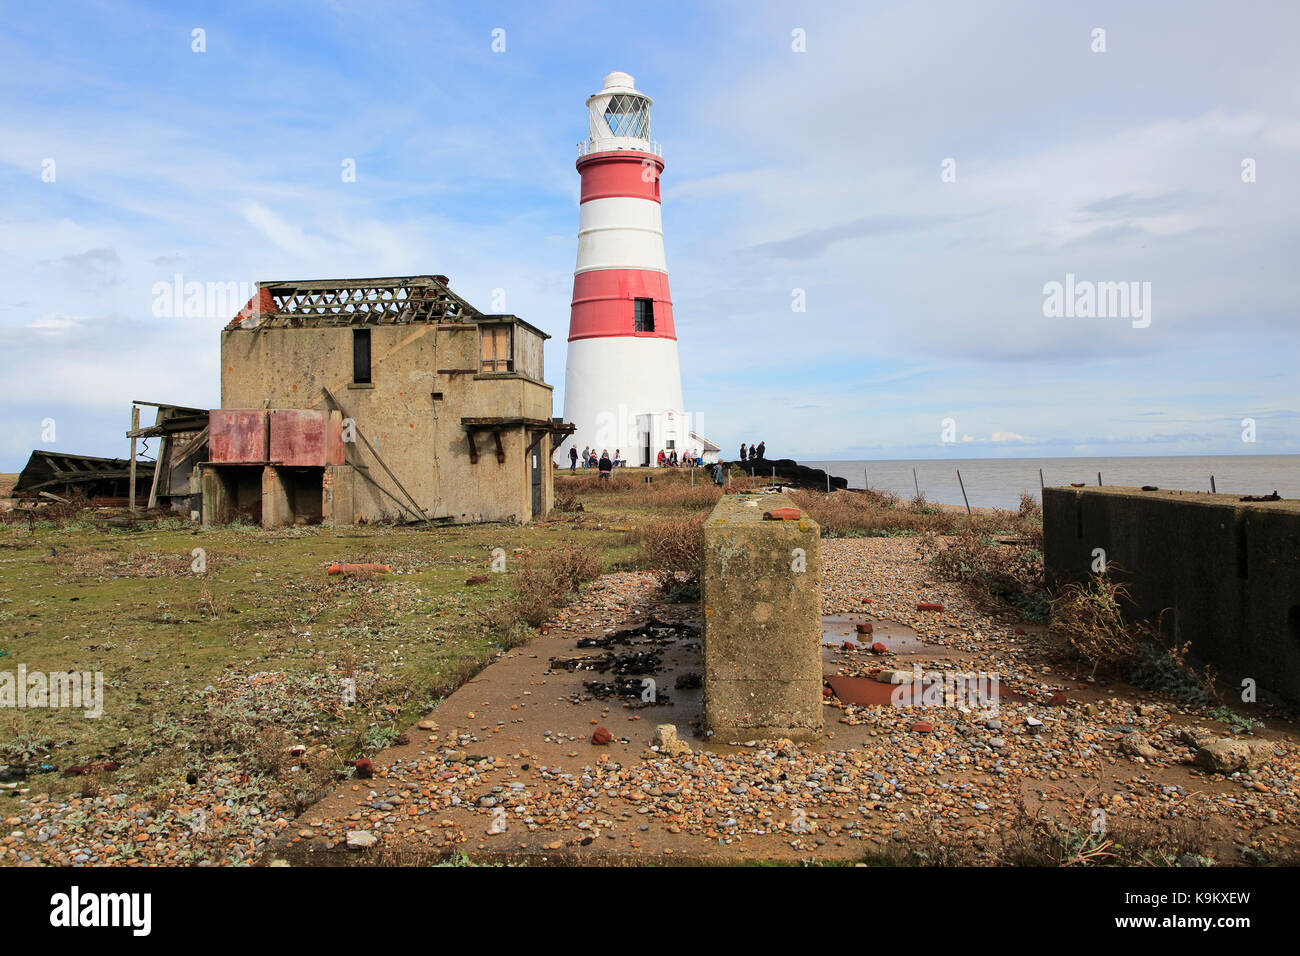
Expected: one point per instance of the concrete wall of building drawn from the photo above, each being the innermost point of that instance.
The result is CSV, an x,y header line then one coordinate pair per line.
x,y
762,621
424,380
1225,573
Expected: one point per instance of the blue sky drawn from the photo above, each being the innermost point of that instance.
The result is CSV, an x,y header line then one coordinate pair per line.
x,y
817,170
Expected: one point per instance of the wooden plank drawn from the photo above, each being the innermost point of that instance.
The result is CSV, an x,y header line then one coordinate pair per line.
x,y
135,426
163,446
197,442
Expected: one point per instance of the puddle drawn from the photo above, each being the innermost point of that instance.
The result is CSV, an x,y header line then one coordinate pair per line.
x,y
898,638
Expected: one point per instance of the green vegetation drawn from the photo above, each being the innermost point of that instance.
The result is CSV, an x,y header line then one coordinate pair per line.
x,y
250,658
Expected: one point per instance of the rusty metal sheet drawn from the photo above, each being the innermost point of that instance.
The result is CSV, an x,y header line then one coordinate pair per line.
x,y
304,437
237,435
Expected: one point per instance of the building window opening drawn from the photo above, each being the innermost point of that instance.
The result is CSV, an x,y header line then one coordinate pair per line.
x,y
361,356
495,348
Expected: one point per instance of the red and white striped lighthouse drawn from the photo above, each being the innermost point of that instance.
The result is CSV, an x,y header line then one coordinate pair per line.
x,y
622,383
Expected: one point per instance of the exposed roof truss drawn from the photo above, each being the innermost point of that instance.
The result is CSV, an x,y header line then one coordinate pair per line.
x,y
343,302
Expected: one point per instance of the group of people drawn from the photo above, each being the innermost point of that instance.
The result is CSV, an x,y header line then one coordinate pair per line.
x,y
670,459
605,464
590,459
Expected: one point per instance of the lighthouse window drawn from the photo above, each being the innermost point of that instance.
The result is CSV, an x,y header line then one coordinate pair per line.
x,y
628,116
645,315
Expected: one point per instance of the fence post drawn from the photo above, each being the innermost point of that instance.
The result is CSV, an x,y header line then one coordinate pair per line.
x,y
963,492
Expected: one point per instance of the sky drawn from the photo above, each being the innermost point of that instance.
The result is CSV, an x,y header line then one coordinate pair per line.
x,y
865,205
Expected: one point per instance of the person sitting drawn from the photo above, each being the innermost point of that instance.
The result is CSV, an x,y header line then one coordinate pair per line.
x,y
618,458
662,459
605,465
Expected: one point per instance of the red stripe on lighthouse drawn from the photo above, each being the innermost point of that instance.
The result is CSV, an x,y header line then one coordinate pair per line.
x,y
625,173
603,304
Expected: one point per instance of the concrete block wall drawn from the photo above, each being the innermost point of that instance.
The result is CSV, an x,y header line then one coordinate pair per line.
x,y
762,621
1225,573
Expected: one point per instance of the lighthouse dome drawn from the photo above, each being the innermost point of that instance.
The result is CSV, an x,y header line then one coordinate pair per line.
x,y
620,81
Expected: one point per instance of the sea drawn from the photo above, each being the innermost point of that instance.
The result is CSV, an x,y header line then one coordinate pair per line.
x,y
999,482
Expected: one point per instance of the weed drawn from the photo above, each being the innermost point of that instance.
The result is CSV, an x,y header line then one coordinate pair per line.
x,y
1237,723
1012,573
1093,617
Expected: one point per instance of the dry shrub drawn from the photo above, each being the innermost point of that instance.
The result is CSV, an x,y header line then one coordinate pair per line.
x,y
671,488
210,603
1094,618
844,514
672,544
674,549
1090,616
700,497
1042,839
570,568
1029,506
1013,573
544,582
567,495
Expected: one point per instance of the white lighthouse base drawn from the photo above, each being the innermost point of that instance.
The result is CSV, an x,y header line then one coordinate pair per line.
x,y
625,393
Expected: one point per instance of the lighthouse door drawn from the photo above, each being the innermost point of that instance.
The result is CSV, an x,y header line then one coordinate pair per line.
x,y
644,439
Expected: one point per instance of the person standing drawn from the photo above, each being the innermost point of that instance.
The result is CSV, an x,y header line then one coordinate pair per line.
x,y
606,466
762,450
743,454
717,472
586,455
573,457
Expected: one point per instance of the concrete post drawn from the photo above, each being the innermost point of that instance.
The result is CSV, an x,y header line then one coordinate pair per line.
x,y
276,507
217,505
762,621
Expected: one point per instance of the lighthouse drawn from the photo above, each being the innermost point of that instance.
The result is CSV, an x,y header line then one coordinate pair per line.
x,y
622,383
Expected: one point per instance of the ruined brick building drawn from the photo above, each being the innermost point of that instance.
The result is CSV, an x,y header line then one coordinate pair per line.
x,y
354,400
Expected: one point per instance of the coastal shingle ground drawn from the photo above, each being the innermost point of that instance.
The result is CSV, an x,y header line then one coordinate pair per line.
x,y
541,789
505,768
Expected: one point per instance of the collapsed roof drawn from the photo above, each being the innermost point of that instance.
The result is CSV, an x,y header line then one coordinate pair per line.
x,y
314,303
